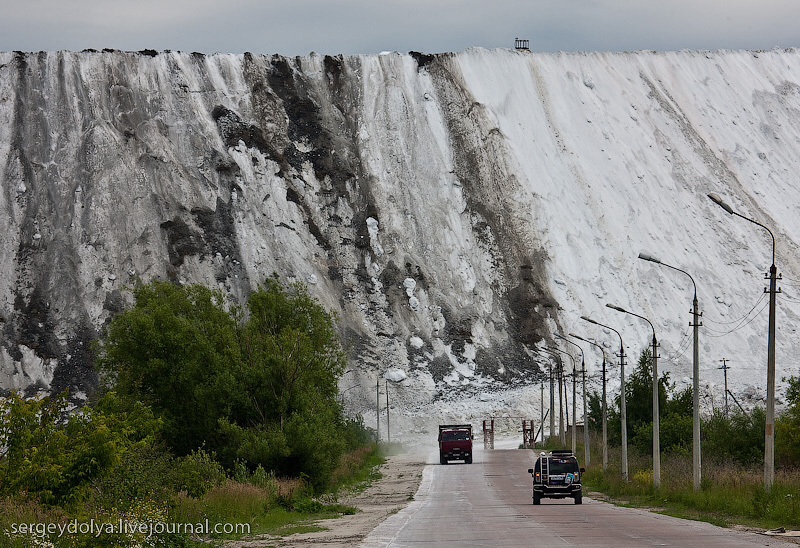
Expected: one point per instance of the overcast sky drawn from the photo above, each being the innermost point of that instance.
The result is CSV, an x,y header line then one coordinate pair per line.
x,y
298,27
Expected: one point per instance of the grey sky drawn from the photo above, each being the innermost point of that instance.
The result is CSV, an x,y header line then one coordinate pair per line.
x,y
298,27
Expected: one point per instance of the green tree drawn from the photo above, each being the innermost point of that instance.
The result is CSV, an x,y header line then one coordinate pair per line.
x,y
176,351
291,354
674,408
257,385
292,359
787,426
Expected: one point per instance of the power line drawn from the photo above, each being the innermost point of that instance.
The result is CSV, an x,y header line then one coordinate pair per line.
x,y
719,322
738,327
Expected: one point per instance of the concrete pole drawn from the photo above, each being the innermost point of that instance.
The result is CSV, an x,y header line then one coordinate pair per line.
x,y
769,430
695,373
656,419
769,426
552,403
586,452
574,410
725,374
605,418
696,469
378,410
541,405
388,432
623,413
562,434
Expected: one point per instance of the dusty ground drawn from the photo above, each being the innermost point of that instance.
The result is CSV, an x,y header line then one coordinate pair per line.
x,y
401,478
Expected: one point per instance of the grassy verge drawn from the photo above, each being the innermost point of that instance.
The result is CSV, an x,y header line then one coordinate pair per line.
x,y
729,495
279,506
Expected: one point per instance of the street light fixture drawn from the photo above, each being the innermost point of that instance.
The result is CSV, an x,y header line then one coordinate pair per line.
x,y
696,469
769,430
586,452
656,429
623,414
604,408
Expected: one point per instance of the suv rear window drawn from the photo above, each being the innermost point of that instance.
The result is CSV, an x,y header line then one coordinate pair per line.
x,y
559,466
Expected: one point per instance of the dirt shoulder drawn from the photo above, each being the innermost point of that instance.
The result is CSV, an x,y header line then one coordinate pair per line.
x,y
401,476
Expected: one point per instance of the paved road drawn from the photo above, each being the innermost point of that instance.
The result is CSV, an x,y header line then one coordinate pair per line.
x,y
488,503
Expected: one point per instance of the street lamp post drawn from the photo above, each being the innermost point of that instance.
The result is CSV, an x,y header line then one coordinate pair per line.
x,y
656,430
696,469
552,395
769,427
586,451
562,432
622,408
604,408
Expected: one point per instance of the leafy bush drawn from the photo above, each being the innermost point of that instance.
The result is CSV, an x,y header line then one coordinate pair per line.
x,y
738,437
51,453
258,385
198,472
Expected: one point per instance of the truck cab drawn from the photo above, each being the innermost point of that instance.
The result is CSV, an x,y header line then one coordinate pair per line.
x,y
557,475
455,443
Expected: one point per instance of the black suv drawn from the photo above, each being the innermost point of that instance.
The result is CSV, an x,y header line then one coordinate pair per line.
x,y
556,475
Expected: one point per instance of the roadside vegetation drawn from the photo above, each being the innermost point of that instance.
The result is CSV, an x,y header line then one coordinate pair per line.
x,y
209,414
732,486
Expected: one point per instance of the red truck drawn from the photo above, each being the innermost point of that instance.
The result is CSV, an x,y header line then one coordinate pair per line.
x,y
455,443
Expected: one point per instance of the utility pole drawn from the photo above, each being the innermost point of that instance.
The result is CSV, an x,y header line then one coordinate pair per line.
x,y
622,405
695,324
378,410
562,435
541,401
656,419
769,422
388,432
725,373
566,408
552,402
586,451
574,413
656,414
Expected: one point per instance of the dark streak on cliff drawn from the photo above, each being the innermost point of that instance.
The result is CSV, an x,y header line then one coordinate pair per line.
x,y
528,302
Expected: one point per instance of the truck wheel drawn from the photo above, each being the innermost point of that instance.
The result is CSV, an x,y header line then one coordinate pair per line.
x,y
579,499
468,460
442,460
537,498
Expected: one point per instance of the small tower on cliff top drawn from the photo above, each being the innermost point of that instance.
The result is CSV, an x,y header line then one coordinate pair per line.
x,y
522,44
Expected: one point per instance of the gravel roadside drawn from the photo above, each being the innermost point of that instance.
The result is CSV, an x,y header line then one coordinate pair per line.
x,y
401,476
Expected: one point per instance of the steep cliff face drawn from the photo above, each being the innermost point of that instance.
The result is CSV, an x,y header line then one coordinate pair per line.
x,y
454,210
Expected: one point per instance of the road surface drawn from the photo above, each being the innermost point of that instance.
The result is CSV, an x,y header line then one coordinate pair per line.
x,y
488,503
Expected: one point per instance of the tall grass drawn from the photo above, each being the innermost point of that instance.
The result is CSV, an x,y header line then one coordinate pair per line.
x,y
263,501
729,493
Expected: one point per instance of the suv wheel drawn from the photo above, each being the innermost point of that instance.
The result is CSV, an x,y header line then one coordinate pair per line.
x,y
579,499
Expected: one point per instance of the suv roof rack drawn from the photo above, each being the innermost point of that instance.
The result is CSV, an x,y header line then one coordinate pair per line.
x,y
562,452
